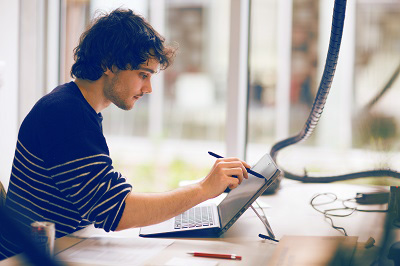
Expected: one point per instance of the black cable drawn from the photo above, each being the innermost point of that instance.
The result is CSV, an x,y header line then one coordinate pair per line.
x,y
360,210
328,179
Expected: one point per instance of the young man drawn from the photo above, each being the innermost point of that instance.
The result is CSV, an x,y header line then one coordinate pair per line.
x,y
62,171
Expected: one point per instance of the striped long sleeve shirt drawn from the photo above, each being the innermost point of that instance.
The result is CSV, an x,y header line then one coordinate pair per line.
x,y
62,171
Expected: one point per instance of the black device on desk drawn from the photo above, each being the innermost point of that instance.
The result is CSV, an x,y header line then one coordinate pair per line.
x,y
218,219
372,197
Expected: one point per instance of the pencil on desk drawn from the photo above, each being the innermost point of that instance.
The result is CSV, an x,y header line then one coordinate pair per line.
x,y
216,256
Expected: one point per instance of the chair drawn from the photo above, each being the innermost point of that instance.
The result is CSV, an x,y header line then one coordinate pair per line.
x,y
2,195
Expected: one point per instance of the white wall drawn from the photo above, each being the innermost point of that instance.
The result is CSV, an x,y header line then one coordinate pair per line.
x,y
31,53
9,36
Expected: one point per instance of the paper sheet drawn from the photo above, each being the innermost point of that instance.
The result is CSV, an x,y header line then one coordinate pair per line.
x,y
90,232
114,251
191,261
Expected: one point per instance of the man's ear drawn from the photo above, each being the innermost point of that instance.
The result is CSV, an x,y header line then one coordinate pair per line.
x,y
111,72
108,72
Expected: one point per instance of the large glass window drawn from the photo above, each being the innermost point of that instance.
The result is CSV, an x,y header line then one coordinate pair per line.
x,y
263,65
376,116
263,70
304,55
188,99
359,128
195,86
377,86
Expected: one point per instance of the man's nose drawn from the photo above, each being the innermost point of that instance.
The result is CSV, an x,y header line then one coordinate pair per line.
x,y
147,88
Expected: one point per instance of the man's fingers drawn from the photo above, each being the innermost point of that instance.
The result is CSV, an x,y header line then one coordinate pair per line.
x,y
237,172
227,172
231,159
234,165
245,164
234,183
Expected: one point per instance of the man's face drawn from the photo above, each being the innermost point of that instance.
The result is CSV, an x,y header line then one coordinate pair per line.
x,y
125,87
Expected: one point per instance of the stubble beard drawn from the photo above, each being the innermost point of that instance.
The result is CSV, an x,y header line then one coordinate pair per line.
x,y
111,94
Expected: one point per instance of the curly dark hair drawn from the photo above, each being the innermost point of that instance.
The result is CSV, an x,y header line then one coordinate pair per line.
x,y
122,39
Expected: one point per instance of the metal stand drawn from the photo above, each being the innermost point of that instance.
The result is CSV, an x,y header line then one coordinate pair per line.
x,y
264,220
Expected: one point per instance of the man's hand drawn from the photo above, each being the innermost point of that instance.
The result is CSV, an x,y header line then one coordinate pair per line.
x,y
143,209
226,172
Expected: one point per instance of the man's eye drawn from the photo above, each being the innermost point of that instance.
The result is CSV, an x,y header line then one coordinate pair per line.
x,y
144,76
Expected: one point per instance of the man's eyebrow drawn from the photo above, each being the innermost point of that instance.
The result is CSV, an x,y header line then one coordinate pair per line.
x,y
148,70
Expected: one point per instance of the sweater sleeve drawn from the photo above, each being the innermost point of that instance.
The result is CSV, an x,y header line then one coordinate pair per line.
x,y
82,170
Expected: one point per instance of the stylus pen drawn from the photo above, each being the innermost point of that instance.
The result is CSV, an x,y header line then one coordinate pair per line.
x,y
248,169
216,256
267,237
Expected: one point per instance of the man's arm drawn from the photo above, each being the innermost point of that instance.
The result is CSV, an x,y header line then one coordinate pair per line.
x,y
143,209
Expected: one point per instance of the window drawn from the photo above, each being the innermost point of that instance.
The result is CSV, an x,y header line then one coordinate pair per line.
x,y
188,99
376,117
355,133
263,65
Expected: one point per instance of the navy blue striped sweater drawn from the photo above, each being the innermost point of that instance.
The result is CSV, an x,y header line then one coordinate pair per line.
x,y
62,171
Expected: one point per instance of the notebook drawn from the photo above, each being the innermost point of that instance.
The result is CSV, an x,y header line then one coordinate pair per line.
x,y
211,220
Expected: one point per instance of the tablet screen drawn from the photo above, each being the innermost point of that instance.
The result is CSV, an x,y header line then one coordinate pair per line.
x,y
241,197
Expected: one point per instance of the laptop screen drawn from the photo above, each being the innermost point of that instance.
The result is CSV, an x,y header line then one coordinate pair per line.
x,y
239,197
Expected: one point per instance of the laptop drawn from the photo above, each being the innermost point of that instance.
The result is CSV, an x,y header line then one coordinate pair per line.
x,y
211,220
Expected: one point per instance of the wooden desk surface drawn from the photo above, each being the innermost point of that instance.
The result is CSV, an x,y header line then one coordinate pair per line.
x,y
289,213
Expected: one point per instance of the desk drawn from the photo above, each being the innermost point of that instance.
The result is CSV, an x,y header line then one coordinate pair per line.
x,y
289,214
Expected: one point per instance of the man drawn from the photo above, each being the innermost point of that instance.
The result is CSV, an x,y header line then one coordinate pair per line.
x,y
62,171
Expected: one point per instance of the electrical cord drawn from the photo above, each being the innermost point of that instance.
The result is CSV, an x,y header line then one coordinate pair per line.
x,y
327,213
357,209
330,212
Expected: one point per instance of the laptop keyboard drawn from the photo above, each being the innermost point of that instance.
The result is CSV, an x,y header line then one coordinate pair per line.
x,y
201,216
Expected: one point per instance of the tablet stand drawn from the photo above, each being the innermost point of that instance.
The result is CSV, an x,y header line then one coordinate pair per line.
x,y
264,220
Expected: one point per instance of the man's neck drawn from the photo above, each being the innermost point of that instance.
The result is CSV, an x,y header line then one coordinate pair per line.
x,y
93,93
